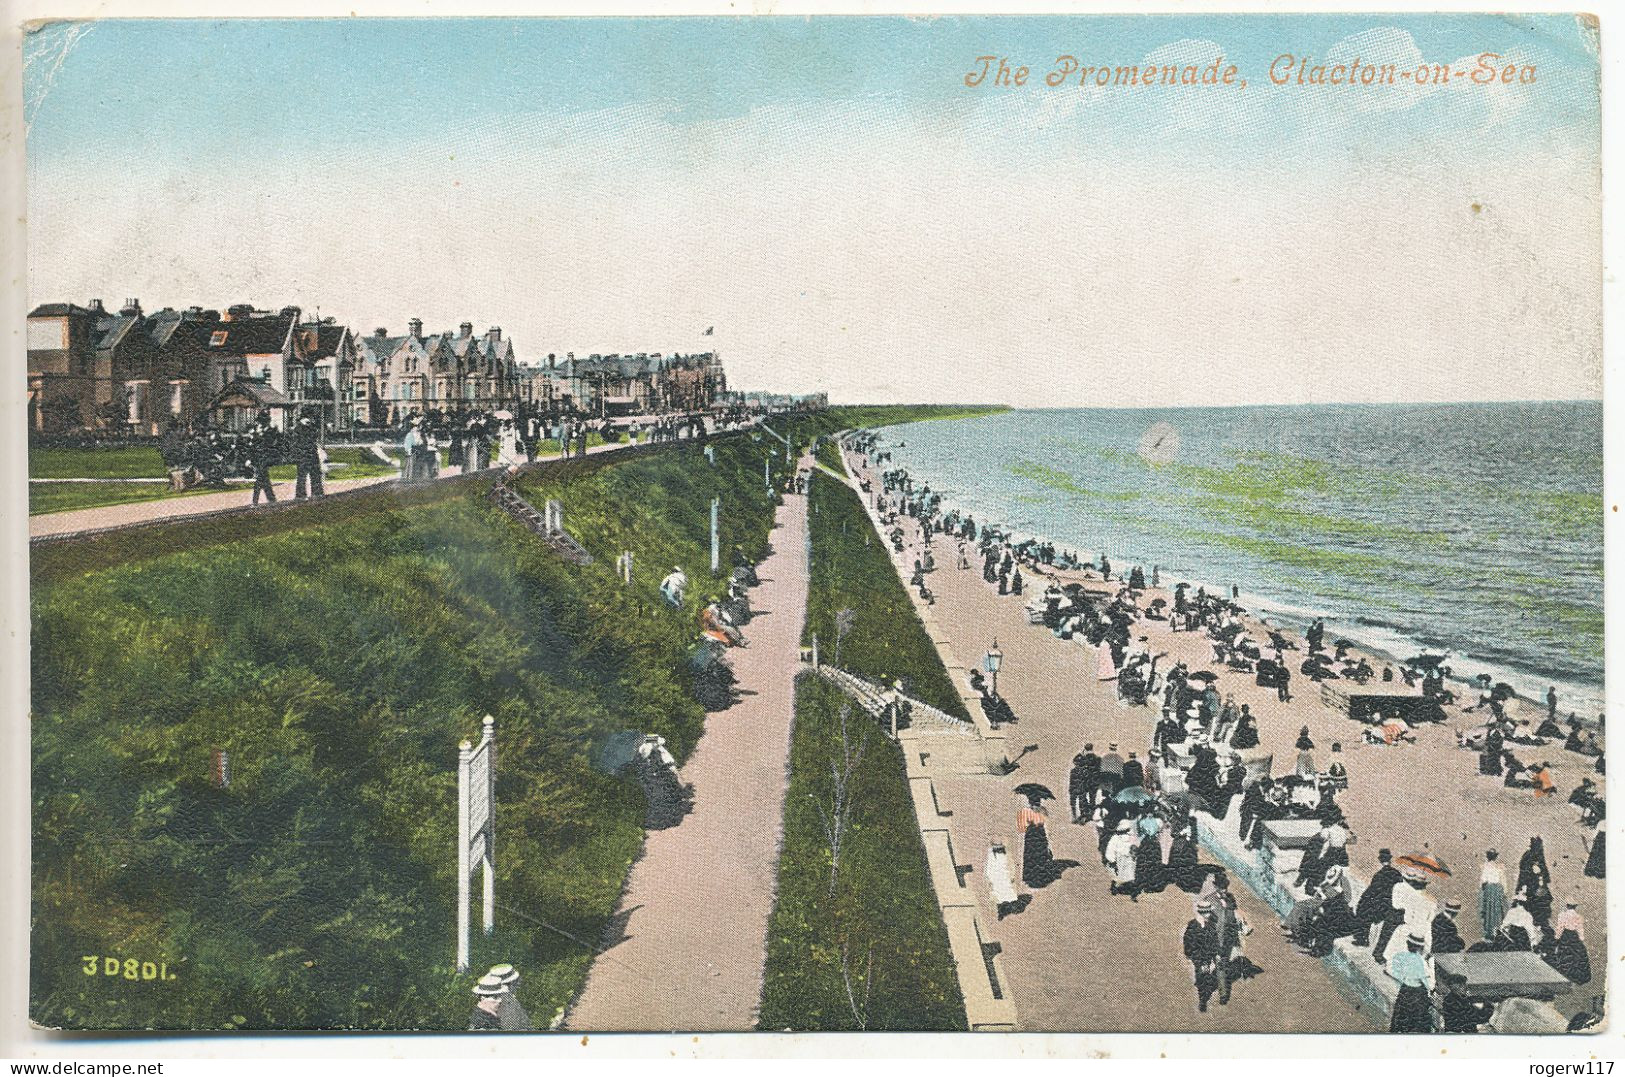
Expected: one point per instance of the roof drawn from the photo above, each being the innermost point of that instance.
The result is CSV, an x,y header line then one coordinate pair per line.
x,y
58,310
251,336
252,394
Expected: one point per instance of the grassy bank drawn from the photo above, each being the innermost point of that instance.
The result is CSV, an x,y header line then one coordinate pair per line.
x,y
338,664
871,951
337,651
851,571
878,933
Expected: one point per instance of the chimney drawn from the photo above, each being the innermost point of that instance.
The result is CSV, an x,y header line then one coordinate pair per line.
x,y
466,329
494,333
415,327
96,305
380,332
551,361
132,309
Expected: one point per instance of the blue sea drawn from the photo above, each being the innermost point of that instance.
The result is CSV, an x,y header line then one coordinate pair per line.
x,y
1475,529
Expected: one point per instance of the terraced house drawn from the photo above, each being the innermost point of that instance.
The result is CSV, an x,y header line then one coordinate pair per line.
x,y
395,376
131,373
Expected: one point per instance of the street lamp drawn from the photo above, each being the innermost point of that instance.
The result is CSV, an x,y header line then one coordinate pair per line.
x,y
995,659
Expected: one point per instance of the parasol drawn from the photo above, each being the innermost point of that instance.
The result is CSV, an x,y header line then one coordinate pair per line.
x,y
1132,794
1426,863
1426,661
1203,675
1034,791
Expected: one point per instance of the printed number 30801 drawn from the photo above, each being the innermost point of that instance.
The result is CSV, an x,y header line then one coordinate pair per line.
x,y
129,968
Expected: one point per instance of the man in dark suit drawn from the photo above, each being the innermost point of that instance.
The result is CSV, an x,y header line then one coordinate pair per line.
x,y
307,458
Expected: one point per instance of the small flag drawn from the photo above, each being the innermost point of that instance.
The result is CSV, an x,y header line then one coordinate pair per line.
x,y
709,330
220,768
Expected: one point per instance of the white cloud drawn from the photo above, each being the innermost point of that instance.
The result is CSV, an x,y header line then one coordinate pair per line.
x,y
893,263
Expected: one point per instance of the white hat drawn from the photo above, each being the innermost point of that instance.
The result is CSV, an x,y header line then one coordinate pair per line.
x,y
506,973
490,984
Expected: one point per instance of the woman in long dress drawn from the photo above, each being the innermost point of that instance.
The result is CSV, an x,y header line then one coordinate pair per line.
x,y
1413,1010
1492,895
1597,862
1106,668
1535,882
1150,875
997,870
1120,857
1568,954
1306,762
1037,862
1184,868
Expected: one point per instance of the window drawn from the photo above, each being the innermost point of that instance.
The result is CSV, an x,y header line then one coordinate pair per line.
x,y
217,338
177,396
135,393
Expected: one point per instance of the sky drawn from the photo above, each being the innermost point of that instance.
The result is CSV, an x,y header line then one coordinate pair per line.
x,y
844,209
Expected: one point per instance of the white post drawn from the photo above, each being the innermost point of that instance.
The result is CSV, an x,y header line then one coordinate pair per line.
x,y
488,862
715,550
815,650
465,755
767,473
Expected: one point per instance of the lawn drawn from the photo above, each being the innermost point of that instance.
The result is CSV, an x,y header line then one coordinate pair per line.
x,y
46,497
851,570
865,949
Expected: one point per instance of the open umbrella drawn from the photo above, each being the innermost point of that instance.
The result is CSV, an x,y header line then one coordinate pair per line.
x,y
1203,675
1426,863
1502,691
1034,791
1425,661
1132,794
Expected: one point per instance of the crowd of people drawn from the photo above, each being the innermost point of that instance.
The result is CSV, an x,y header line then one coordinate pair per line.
x,y
1205,758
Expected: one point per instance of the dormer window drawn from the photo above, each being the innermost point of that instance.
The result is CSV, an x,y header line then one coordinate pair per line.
x,y
217,338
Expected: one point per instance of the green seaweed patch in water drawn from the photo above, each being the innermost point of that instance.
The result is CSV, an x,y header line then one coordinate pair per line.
x,y
1060,480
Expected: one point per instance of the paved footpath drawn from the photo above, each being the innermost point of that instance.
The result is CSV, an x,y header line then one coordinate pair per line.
x,y
691,953
1079,958
108,517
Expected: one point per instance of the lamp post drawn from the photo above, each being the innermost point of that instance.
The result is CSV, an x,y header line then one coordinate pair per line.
x,y
995,659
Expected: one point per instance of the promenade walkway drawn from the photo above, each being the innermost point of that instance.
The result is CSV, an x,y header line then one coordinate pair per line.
x,y
110,517
689,939
1079,958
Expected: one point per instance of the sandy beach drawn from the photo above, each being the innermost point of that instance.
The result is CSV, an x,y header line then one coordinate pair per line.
x,y
1409,797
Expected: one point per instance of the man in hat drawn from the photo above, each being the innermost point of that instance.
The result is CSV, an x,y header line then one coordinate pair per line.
x,y
488,993
1202,951
1111,771
1133,772
307,458
1446,935
260,451
510,1013
1083,782
1377,902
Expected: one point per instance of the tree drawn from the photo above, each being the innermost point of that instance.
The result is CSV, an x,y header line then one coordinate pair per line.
x,y
836,817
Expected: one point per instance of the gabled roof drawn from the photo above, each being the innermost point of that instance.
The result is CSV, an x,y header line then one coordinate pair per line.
x,y
250,336
247,392
113,330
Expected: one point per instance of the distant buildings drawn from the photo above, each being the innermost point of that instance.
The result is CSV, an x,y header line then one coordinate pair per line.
x,y
628,384
130,372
